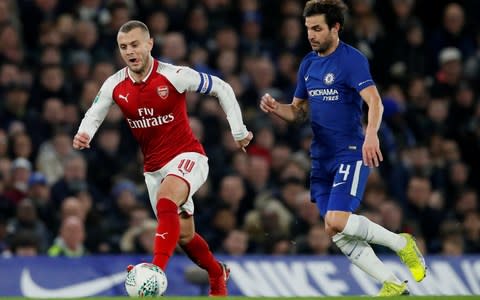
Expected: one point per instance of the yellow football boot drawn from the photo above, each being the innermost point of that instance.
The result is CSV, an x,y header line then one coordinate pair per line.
x,y
390,288
412,258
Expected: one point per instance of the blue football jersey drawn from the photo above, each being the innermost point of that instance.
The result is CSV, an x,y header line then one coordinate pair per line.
x,y
331,84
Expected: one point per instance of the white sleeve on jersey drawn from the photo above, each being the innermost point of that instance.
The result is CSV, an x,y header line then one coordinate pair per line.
x,y
98,111
186,79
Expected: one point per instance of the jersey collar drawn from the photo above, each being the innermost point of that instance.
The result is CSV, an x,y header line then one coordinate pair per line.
x,y
146,76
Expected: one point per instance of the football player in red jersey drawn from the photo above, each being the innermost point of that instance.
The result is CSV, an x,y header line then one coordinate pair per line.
x,y
151,95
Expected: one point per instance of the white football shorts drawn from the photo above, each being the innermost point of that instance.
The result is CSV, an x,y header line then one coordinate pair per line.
x,y
190,166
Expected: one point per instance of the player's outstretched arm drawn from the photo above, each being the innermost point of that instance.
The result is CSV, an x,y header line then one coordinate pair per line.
x,y
372,156
94,116
297,111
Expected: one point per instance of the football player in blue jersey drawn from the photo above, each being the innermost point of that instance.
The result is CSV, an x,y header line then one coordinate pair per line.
x,y
333,81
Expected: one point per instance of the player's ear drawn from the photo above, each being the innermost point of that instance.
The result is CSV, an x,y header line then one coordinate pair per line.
x,y
336,27
150,43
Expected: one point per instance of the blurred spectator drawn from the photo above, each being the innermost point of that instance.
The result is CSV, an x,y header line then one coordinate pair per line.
x,y
226,39
449,75
27,219
96,240
88,93
3,144
89,10
232,192
458,179
80,63
267,223
262,74
9,76
222,222
463,107
125,242
51,84
74,180
158,22
453,32
124,195
291,38
119,13
25,243
22,146
307,214
393,217
4,244
236,243
102,70
297,168
466,201
471,227
290,188
50,55
227,65
174,48
69,242
452,239
53,114
5,173
85,38
39,193
375,195
103,160
368,36
420,208
52,155
197,27
317,241
16,189
281,245
280,156
139,238
258,173
16,97
10,36
71,206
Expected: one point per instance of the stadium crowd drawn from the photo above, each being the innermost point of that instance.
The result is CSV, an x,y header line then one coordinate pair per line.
x,y
54,55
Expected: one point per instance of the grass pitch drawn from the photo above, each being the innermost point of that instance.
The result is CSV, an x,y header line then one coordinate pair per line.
x,y
279,298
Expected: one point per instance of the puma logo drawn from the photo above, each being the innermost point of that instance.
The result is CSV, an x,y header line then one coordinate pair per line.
x,y
162,235
125,98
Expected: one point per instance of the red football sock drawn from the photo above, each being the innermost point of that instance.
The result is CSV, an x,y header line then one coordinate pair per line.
x,y
168,232
199,252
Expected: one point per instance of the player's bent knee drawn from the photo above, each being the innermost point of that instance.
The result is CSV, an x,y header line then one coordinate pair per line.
x,y
330,231
334,225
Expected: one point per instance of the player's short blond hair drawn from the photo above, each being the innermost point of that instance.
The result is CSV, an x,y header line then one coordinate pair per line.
x,y
130,25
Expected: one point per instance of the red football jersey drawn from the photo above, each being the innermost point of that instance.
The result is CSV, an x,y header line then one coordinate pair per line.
x,y
155,110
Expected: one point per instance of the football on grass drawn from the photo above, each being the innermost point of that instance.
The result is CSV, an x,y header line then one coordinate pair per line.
x,y
146,280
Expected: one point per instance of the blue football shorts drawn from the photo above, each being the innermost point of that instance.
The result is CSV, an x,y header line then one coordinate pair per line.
x,y
338,184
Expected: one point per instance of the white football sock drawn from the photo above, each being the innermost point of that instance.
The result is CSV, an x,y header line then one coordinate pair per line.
x,y
364,229
362,255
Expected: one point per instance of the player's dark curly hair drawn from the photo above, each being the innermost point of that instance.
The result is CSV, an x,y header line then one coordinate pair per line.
x,y
333,10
